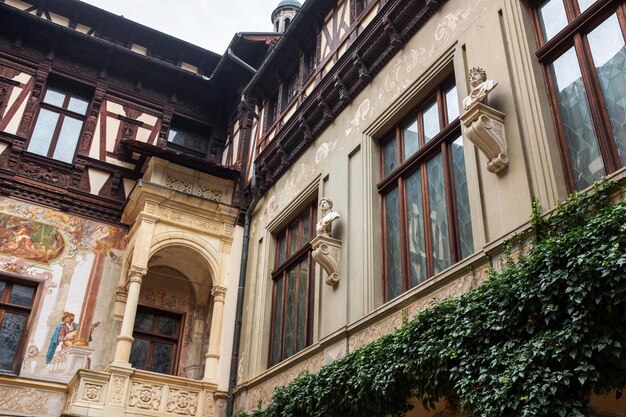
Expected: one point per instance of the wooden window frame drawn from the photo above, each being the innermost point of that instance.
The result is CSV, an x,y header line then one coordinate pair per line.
x,y
450,130
29,311
281,271
63,112
153,336
574,35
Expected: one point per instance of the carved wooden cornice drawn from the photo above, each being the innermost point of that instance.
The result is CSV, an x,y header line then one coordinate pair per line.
x,y
392,27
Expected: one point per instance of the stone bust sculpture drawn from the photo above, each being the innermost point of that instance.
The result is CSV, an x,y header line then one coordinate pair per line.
x,y
323,226
481,87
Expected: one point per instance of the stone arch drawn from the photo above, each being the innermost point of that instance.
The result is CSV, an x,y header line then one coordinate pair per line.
x,y
207,252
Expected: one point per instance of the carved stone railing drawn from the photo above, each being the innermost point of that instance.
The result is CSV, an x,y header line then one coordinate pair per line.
x,y
129,392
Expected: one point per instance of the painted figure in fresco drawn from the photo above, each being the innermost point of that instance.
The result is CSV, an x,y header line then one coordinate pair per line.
x,y
65,334
30,240
60,335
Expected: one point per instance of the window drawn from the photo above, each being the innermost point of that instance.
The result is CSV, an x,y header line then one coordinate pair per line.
x,y
59,123
292,307
360,6
309,62
16,302
189,137
423,170
272,110
583,54
156,335
290,89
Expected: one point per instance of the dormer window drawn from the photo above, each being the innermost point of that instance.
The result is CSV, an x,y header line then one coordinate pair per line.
x,y
190,137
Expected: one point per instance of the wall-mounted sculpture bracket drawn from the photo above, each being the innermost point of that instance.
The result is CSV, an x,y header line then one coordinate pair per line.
x,y
484,127
326,252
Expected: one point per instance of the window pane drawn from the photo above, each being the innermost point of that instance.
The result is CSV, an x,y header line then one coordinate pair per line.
x,y
438,214
587,165
290,315
306,227
68,139
10,336
54,96
301,340
390,154
452,103
293,238
609,56
394,256
42,135
463,215
21,295
188,139
162,358
553,18
282,247
431,121
143,321
415,216
277,329
138,353
585,4
78,105
411,144
2,287
167,326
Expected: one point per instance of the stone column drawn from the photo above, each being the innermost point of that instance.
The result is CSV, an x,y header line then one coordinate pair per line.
x,y
213,354
125,339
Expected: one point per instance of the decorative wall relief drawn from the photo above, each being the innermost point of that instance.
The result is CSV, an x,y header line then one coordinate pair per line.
x,y
30,401
182,402
484,125
145,396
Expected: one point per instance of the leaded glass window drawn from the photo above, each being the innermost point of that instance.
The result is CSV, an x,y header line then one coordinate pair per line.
x,y
16,302
292,307
585,67
426,215
156,336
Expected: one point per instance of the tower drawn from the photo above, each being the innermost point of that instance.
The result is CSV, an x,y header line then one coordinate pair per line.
x,y
284,13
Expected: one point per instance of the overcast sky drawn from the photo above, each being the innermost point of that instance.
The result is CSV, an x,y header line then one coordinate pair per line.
x,y
210,24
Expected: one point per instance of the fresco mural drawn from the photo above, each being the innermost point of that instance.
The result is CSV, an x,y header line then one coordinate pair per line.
x,y
75,260
30,240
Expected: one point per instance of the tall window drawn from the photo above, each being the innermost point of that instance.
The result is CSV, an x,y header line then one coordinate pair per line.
x,y
156,335
59,123
292,307
16,302
426,216
583,54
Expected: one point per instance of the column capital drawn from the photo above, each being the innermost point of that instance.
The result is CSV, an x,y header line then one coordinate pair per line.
x,y
136,273
218,293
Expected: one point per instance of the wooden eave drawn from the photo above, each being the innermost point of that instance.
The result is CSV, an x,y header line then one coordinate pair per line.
x,y
181,158
393,26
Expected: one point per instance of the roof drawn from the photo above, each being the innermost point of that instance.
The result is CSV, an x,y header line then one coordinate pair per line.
x,y
293,3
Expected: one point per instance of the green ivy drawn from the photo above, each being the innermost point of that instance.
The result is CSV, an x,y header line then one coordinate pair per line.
x,y
534,340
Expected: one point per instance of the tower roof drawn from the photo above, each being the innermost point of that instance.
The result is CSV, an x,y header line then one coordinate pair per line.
x,y
293,3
